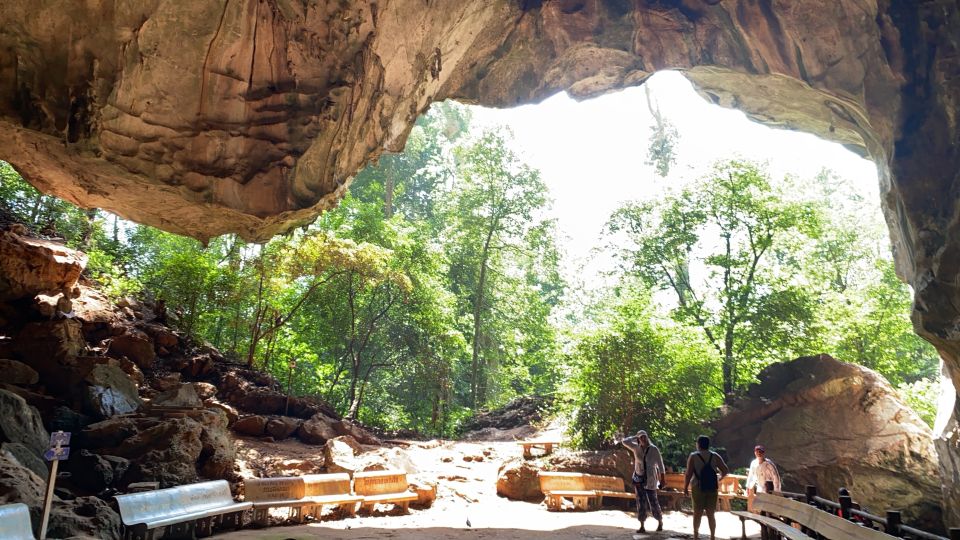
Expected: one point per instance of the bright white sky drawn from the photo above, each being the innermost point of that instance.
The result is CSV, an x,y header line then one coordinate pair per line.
x,y
591,154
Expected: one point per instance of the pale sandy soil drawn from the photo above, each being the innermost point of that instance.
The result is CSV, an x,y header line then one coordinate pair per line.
x,y
466,493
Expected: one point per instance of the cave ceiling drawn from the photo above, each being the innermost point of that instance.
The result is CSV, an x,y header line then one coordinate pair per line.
x,y
251,116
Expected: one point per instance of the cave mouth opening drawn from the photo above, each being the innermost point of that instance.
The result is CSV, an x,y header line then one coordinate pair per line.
x,y
596,154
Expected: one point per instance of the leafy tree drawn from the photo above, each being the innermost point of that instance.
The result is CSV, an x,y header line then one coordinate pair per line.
x,y
749,303
633,372
493,225
661,152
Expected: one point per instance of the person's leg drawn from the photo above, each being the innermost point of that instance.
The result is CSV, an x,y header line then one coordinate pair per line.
x,y
655,510
750,496
710,507
641,505
697,497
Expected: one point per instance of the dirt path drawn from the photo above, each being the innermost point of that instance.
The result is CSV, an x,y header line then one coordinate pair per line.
x,y
468,507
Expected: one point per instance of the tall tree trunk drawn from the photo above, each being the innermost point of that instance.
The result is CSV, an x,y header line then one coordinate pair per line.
x,y
388,187
479,298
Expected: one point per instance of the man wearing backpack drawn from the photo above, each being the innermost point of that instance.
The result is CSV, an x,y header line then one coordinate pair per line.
x,y
702,469
648,473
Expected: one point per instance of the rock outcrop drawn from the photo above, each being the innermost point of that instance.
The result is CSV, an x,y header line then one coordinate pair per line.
x,y
832,424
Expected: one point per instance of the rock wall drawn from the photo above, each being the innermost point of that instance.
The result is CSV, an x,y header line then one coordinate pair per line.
x,y
831,424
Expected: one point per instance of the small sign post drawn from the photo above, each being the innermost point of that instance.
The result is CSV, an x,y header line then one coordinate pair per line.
x,y
59,450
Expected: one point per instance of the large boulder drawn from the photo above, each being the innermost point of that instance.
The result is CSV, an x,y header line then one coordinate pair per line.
x,y
17,372
517,480
254,425
49,346
30,266
317,430
183,396
218,453
164,451
135,345
832,424
281,427
111,392
21,423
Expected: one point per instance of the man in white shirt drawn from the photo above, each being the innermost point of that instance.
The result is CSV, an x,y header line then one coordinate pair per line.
x,y
762,470
648,471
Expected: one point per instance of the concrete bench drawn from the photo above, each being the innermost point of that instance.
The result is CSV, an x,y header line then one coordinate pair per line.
x,y
389,487
528,447
331,489
585,490
824,524
267,493
15,522
183,510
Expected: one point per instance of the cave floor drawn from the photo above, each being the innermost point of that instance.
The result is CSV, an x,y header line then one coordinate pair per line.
x,y
466,492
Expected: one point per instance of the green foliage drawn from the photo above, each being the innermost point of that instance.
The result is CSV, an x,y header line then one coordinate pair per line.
x,y
636,373
744,239
922,396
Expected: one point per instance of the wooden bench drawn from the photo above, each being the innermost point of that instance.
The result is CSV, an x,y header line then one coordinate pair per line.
x,y
183,510
15,522
776,508
528,447
585,490
383,487
331,489
729,489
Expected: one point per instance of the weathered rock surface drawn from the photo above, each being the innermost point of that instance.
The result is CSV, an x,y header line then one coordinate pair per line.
x,y
111,392
317,430
832,424
30,266
17,372
281,427
254,425
80,517
517,479
182,396
135,345
20,423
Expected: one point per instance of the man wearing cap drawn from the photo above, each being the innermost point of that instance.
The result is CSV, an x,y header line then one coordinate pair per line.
x,y
762,470
648,471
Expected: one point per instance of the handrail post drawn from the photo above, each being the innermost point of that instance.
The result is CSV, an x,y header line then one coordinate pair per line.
x,y
955,533
893,522
846,502
811,492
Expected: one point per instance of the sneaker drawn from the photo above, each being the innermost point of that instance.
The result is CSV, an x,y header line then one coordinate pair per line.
x,y
660,525
642,529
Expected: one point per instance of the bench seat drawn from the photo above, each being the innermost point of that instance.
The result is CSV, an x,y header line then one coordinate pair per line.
x,y
383,487
620,494
782,528
184,509
200,514
15,522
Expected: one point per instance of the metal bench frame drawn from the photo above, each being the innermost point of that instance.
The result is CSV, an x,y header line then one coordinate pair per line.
x,y
184,511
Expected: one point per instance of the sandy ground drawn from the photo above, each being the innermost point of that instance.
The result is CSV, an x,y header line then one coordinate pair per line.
x,y
467,505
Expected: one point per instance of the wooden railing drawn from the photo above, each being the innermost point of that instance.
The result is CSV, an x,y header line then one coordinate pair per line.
x,y
891,524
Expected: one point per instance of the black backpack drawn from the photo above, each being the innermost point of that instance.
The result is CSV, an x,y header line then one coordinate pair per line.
x,y
707,476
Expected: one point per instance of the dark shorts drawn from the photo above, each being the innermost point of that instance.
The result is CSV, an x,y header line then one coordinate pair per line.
x,y
703,500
